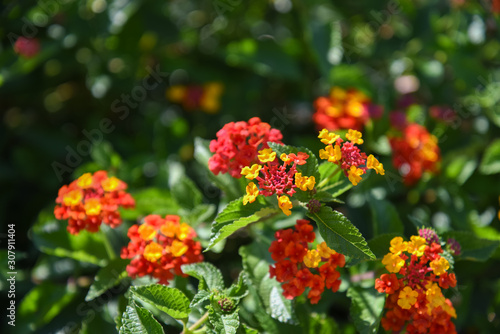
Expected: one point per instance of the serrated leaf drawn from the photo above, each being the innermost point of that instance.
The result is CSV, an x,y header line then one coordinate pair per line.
x,y
186,193
235,216
281,308
200,297
473,248
138,320
490,164
169,300
308,169
107,277
381,243
256,261
224,323
226,183
209,276
366,308
340,234
384,216
238,289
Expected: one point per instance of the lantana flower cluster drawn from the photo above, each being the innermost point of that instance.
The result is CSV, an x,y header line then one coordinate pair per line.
x,y
415,152
92,199
275,178
344,109
197,97
159,247
417,274
27,47
347,155
299,267
237,145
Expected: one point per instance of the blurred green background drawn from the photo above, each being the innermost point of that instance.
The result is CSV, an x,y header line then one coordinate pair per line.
x,y
273,58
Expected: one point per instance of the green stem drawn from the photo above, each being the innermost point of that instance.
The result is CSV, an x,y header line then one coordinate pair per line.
x,y
326,180
197,324
107,244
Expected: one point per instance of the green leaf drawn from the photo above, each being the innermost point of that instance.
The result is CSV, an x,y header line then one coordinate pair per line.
x,y
461,167
107,277
224,323
325,197
209,276
50,236
138,320
42,304
169,300
256,261
337,183
229,185
186,193
313,323
235,216
366,308
473,248
238,289
384,216
200,297
244,329
340,234
150,201
491,159
309,169
381,243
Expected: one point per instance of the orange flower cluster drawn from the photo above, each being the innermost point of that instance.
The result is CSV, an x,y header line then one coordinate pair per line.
x,y
91,200
344,109
299,267
159,247
415,152
418,272
193,97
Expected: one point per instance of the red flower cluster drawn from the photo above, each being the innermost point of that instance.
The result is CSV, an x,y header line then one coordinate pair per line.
x,y
343,109
277,179
237,145
348,156
418,272
299,268
27,47
91,200
159,247
204,97
415,152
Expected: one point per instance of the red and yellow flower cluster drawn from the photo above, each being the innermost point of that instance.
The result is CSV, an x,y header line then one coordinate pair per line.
x,y
237,145
193,97
348,156
344,109
415,152
91,200
299,267
277,178
159,247
418,272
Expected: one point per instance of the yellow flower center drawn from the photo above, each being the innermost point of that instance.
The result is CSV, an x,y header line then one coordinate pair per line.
x,y
92,207
153,252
